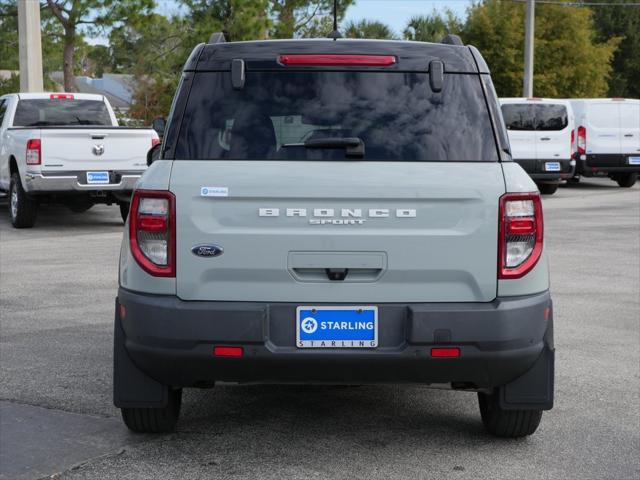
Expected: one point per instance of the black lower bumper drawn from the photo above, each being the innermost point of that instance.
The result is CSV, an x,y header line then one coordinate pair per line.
x,y
537,169
162,340
593,165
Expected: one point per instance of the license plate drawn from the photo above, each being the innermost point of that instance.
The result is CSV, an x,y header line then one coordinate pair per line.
x,y
552,166
337,327
634,160
97,177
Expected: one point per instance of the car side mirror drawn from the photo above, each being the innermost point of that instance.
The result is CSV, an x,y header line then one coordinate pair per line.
x,y
159,124
153,154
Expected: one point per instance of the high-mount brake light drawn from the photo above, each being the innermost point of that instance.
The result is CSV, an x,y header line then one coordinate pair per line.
x,y
520,235
321,60
34,152
61,96
582,140
152,231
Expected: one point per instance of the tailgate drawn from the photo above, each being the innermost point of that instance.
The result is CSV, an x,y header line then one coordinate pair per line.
x,y
71,149
394,232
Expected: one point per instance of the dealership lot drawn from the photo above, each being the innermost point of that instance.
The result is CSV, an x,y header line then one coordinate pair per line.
x,y
57,286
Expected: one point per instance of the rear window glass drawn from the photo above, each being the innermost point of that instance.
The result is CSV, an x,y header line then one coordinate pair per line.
x,y
396,115
60,113
525,116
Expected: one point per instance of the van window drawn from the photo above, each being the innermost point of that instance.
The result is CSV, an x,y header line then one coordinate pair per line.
x,y
525,116
396,115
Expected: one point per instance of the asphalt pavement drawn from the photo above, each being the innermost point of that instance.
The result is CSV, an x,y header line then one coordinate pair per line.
x,y
57,288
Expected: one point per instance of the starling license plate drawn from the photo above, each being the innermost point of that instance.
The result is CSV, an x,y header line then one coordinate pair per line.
x,y
337,327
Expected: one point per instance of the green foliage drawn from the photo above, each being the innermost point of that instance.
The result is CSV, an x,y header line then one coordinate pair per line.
x,y
369,29
10,85
623,22
568,61
432,28
304,18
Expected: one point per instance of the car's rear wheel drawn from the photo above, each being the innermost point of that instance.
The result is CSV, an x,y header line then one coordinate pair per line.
x,y
22,208
627,180
154,420
548,188
124,210
507,423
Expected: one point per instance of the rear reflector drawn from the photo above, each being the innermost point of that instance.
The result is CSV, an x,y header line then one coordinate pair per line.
x,y
338,60
445,352
228,351
61,96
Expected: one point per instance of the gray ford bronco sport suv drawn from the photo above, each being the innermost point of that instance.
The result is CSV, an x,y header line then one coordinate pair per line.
x,y
335,211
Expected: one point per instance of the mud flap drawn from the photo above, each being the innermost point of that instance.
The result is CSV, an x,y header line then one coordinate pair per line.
x,y
534,389
132,388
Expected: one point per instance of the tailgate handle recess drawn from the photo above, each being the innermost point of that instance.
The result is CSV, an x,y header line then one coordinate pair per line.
x,y
98,136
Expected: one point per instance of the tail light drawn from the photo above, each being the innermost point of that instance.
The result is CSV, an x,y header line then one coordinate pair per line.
x,y
582,140
573,139
154,141
337,60
152,231
34,152
521,234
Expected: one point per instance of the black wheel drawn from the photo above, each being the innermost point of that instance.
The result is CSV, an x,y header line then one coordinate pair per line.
x,y
507,423
154,420
124,211
79,207
22,208
627,180
548,188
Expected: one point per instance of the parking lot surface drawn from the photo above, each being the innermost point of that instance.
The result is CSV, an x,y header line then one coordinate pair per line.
x,y
57,287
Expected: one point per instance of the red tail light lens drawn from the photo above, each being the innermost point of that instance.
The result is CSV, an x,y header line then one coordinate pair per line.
x,y
338,60
445,352
152,231
154,142
34,152
582,140
573,139
521,233
61,96
228,351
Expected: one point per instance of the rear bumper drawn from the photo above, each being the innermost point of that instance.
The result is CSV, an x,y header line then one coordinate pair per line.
x,y
537,171
172,342
76,181
592,165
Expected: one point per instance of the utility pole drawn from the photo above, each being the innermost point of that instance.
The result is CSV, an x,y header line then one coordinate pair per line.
x,y
528,49
30,46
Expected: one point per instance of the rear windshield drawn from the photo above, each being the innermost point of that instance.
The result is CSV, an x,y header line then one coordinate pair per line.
x,y
396,115
525,116
60,113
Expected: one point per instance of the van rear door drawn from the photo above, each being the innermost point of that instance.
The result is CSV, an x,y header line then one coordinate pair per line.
x,y
553,132
519,119
603,127
630,127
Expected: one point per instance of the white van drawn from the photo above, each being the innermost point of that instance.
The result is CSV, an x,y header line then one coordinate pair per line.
x,y
541,133
608,138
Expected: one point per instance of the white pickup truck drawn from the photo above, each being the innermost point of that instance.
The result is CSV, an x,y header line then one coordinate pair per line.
x,y
67,148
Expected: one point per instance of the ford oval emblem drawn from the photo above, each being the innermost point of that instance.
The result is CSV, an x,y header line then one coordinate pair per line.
x,y
207,250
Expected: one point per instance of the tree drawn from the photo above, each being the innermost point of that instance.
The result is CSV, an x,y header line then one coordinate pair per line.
x,y
369,29
304,18
99,14
624,22
568,60
432,28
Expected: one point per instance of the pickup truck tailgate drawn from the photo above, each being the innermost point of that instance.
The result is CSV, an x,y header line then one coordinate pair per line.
x,y
74,149
401,232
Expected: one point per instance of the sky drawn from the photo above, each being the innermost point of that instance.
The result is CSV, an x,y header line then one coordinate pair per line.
x,y
395,13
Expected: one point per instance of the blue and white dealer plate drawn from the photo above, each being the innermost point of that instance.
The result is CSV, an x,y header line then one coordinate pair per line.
x,y
552,166
97,178
337,327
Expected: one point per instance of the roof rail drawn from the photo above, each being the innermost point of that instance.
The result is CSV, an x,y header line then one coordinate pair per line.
x,y
217,37
451,39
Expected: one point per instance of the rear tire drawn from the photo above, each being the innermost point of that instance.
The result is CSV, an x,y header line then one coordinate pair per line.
x,y
627,180
124,211
22,208
548,188
154,420
507,423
